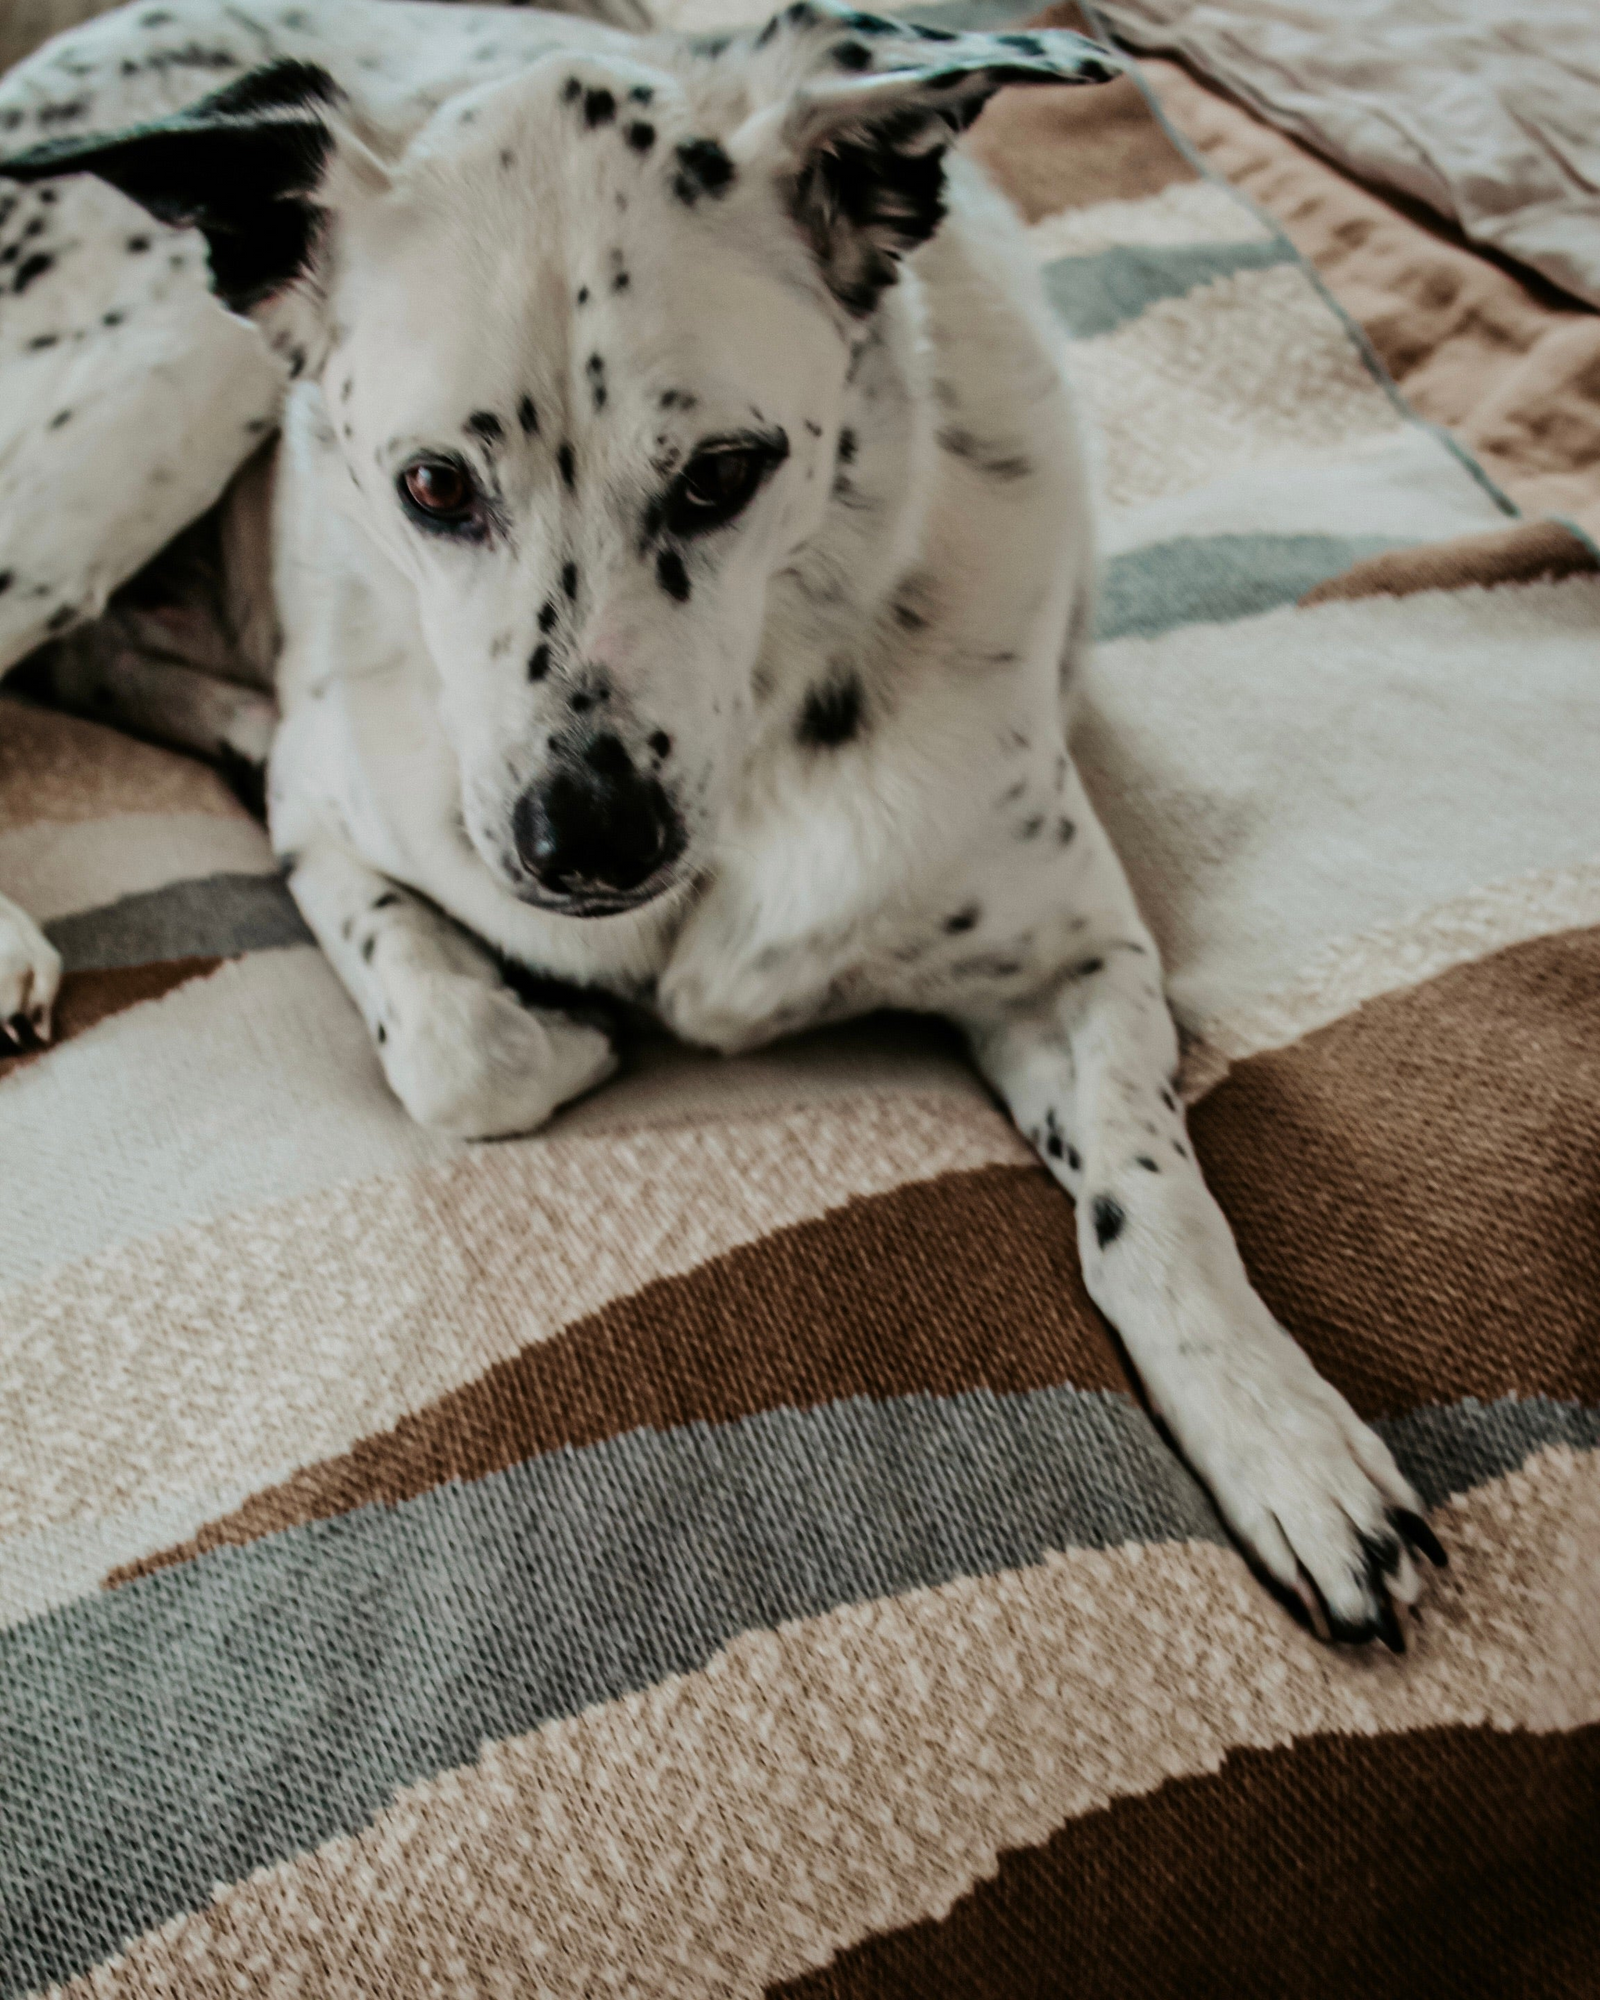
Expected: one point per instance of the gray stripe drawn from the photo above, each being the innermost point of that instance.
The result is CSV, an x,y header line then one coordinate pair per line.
x,y
1214,579
215,916
220,1716
1099,293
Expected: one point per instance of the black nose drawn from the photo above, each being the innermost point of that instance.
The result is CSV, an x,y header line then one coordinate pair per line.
x,y
596,827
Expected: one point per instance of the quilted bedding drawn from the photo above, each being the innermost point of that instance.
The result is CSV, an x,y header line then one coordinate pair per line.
x,y
711,1547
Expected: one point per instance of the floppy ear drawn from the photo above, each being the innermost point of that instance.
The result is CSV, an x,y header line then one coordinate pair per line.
x,y
865,109
244,166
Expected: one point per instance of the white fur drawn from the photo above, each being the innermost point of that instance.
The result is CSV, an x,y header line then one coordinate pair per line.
x,y
926,541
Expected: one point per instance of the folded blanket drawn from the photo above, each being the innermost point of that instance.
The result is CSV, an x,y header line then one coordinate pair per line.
x,y
1489,116
711,1547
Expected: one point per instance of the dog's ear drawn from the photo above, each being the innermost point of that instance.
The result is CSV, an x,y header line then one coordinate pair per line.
x,y
248,167
858,112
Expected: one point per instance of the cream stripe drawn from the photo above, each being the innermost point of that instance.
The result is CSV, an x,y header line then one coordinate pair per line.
x,y
233,1352
1350,970
1185,214
860,1771
54,871
1249,368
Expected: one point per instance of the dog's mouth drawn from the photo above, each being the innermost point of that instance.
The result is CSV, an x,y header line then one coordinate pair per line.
x,y
595,899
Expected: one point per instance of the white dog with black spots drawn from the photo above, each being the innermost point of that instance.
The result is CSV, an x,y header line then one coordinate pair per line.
x,y
682,554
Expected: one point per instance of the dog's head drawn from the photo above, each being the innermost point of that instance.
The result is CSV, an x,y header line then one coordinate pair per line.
x,y
582,345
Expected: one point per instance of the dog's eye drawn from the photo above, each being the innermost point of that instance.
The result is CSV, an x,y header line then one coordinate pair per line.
x,y
715,486
438,491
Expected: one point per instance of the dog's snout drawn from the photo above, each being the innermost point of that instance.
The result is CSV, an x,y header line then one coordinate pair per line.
x,y
597,826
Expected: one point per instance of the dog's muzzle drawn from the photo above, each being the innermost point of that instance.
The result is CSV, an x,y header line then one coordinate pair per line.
x,y
596,836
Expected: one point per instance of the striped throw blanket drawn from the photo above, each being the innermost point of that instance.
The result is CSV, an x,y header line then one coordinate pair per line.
x,y
711,1548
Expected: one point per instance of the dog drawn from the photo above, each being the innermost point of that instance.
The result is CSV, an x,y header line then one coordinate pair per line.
x,y
683,558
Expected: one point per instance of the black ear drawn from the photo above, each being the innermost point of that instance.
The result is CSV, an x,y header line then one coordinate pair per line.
x,y
241,166
871,106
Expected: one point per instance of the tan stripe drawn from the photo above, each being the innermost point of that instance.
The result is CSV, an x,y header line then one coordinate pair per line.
x,y
54,870
1344,973
858,1772
1444,1862
1248,368
88,998
59,767
1526,553
852,1304
298,1328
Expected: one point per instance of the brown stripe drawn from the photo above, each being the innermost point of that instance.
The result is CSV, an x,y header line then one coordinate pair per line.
x,y
88,998
57,767
969,1281
1528,553
1053,149
1461,1863
1415,1186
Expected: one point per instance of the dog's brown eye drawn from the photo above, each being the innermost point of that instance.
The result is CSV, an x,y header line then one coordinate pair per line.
x,y
438,488
720,482
720,478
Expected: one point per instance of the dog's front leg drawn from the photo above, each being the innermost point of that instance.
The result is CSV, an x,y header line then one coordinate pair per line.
x,y
1310,1491
460,1050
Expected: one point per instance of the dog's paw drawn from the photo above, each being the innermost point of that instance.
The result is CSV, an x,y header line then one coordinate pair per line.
x,y
465,1057
30,978
1313,1495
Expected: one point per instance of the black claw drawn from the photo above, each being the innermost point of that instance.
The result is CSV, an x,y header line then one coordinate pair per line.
x,y
1382,1554
1389,1627
1420,1536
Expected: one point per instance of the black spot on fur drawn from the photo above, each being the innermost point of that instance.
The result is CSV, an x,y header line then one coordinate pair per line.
x,y
672,576
642,93
852,55
368,947
1087,967
61,417
1064,831
1179,1150
583,295
59,620
548,614
7,578
571,90
1029,829
383,1034
1108,1219
507,157
569,578
1055,1145
599,107
137,245
43,340
1074,1160
538,663
831,714
527,416
1169,1100
963,920
388,898
1144,1160
486,425
621,282
1030,45
661,743
703,168
640,135
31,268
848,444
595,369
569,474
